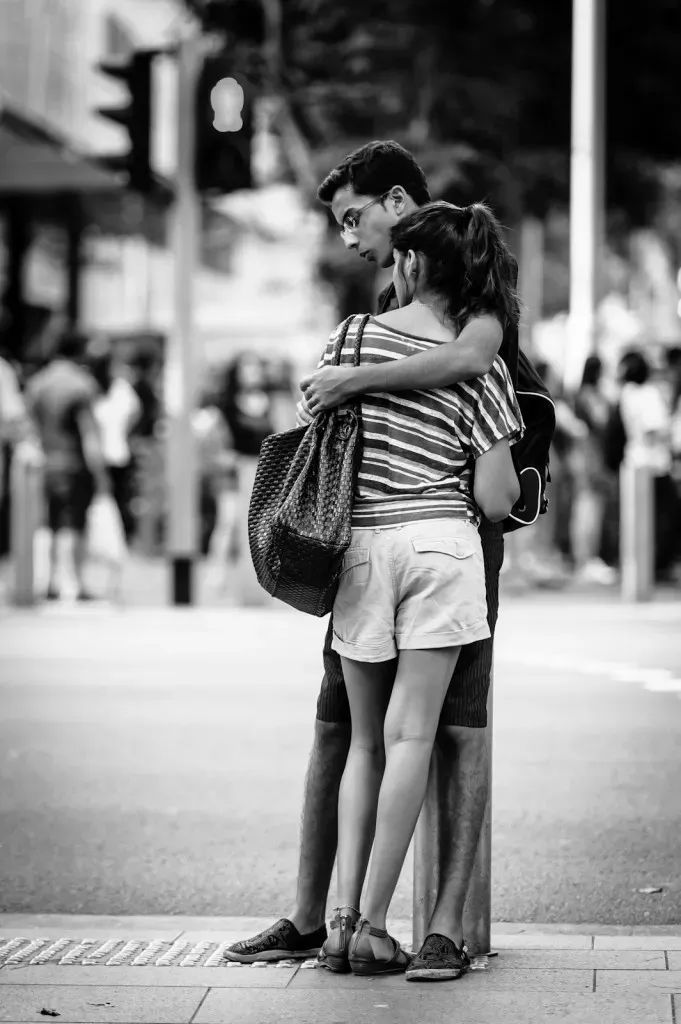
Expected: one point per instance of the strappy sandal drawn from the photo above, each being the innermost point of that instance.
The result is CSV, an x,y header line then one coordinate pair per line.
x,y
361,956
334,953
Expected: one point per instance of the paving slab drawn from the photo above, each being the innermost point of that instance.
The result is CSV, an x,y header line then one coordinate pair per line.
x,y
78,924
541,940
428,1004
493,981
674,960
92,932
616,983
572,959
130,977
105,1004
670,942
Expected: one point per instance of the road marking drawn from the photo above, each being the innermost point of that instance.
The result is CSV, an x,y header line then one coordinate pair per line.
x,y
655,680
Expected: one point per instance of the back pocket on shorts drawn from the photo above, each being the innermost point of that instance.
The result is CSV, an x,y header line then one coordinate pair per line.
x,y
454,547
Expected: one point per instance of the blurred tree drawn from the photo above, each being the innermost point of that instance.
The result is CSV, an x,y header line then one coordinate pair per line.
x,y
479,91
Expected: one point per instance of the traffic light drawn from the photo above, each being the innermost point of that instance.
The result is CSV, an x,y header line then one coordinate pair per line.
x,y
224,128
135,117
242,19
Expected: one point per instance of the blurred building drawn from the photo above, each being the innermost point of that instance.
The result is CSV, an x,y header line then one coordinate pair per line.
x,y
75,242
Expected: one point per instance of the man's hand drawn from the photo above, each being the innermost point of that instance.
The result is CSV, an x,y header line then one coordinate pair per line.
x,y
327,388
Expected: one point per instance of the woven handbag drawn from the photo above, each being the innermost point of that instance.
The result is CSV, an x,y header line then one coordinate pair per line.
x,y
301,505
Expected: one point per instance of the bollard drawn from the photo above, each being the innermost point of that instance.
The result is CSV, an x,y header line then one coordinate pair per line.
x,y
26,516
637,531
427,841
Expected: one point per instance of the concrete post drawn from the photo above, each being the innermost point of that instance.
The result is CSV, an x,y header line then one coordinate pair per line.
x,y
26,516
637,531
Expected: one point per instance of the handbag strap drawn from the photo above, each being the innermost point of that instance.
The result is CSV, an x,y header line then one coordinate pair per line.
x,y
358,338
340,342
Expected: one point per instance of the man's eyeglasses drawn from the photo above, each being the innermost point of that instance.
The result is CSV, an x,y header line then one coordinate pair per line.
x,y
352,217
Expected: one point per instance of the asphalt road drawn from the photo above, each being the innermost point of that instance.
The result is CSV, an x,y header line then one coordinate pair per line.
x,y
152,761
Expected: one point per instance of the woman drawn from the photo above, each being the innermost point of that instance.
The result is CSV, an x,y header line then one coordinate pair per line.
x,y
247,408
592,481
217,484
647,422
412,590
117,410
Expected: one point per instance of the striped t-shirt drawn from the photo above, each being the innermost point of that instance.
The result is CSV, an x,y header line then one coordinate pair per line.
x,y
419,446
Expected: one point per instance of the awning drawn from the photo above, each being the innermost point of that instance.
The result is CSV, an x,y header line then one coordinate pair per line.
x,y
34,160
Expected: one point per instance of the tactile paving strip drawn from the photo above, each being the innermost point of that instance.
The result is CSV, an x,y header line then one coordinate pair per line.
x,y
122,952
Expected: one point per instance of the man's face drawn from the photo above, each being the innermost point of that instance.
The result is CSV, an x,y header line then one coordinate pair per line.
x,y
365,223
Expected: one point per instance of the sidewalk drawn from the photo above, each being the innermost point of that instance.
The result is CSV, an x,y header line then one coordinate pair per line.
x,y
169,970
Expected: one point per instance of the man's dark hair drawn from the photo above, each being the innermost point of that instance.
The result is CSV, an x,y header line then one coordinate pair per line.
x,y
634,368
373,170
593,370
72,345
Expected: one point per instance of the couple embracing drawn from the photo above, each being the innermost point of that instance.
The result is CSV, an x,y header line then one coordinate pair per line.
x,y
408,652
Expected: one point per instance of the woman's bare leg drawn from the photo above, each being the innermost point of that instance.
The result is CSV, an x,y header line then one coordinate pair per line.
x,y
369,687
410,727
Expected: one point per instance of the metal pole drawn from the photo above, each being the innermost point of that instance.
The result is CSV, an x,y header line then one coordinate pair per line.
x,y
586,180
427,840
637,531
180,369
477,914
531,278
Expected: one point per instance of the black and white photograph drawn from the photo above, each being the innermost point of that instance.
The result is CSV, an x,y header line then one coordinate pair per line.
x,y
340,512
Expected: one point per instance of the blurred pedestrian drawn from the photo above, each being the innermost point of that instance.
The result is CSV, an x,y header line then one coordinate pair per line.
x,y
218,485
246,404
592,481
674,363
647,422
13,426
117,410
61,399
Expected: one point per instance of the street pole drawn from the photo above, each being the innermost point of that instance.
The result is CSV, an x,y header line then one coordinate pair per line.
x,y
180,367
477,918
586,180
531,279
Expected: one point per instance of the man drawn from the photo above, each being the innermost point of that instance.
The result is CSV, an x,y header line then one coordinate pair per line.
x,y
369,192
60,399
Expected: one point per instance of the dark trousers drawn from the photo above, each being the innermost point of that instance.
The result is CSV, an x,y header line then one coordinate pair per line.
x,y
121,489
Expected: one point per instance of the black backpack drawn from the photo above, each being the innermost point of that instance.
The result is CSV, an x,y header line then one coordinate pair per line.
x,y
531,453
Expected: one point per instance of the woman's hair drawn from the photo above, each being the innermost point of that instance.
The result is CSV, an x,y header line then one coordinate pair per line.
x,y
634,368
593,369
466,259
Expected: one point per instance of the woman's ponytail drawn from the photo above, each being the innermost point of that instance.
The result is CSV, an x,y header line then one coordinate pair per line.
x,y
491,270
467,259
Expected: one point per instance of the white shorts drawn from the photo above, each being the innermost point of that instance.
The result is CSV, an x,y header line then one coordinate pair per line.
x,y
413,587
